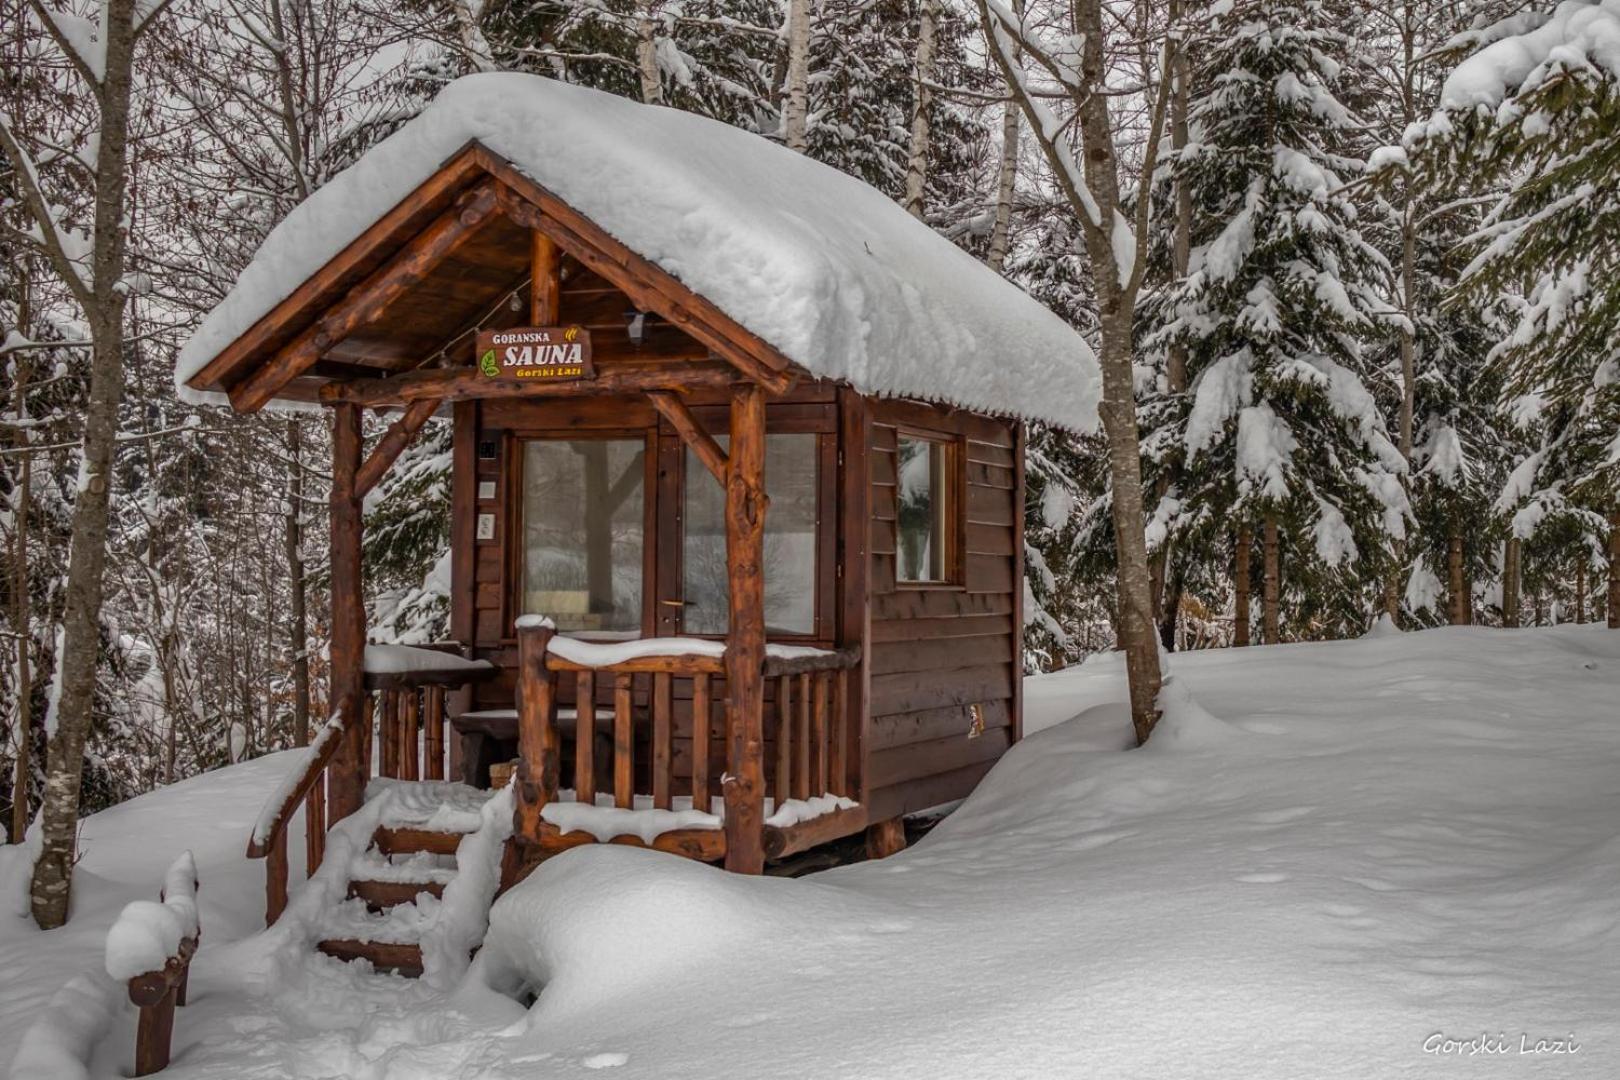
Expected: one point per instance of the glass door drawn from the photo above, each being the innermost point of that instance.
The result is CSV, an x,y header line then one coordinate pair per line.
x,y
584,533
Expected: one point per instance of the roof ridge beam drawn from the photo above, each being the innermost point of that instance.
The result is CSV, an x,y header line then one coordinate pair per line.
x,y
527,204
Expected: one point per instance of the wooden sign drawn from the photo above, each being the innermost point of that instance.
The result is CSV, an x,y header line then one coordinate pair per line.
x,y
536,353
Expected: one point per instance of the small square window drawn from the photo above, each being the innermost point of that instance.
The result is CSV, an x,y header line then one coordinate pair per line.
x,y
925,537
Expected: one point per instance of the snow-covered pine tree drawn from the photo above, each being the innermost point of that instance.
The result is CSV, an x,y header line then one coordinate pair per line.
x,y
1535,113
1444,412
1284,442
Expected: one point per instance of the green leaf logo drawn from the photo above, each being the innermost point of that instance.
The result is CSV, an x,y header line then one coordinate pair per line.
x,y
487,364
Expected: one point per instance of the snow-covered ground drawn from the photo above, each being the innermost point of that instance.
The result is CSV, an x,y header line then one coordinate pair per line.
x,y
1337,860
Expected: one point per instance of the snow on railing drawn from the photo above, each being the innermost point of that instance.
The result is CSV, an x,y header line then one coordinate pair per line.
x,y
150,948
284,798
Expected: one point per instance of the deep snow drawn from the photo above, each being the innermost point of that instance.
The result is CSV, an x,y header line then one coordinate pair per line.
x,y
1333,856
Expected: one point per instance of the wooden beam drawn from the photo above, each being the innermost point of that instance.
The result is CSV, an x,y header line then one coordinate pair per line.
x,y
648,286
545,280
462,384
782,841
673,409
368,299
746,503
435,190
346,784
393,443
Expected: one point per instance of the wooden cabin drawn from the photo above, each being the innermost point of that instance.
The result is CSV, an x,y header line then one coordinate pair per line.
x,y
738,511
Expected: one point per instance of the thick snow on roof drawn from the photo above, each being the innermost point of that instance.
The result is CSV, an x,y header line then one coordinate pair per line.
x,y
827,269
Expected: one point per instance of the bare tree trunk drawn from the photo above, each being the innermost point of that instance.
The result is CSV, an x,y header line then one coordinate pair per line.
x,y
1511,599
1272,614
652,85
1580,589
1117,268
474,45
298,616
22,497
1453,561
1614,570
1241,558
1165,607
1181,239
1170,614
796,103
923,100
81,619
1006,183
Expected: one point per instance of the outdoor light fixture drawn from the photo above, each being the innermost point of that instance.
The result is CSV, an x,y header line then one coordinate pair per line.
x,y
637,327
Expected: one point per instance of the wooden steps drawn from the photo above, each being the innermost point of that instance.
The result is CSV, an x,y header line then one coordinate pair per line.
x,y
405,841
398,957
380,895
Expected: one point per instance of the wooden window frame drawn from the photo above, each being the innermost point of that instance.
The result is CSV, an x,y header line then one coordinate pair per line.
x,y
515,440
789,418
954,512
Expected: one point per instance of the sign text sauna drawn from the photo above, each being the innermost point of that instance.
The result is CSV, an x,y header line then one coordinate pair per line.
x,y
540,353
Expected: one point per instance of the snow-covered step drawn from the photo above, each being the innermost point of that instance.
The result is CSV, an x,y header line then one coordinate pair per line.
x,y
406,840
401,958
381,895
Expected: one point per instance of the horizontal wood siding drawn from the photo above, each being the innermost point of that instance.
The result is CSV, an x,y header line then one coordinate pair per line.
x,y
935,652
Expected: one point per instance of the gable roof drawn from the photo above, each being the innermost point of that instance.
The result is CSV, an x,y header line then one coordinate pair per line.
x,y
827,270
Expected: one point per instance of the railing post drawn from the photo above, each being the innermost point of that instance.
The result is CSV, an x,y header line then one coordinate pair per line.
x,y
536,781
275,878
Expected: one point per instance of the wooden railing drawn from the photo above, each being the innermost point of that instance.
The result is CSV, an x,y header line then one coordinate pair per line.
x,y
408,708
811,730
409,715
811,734
133,939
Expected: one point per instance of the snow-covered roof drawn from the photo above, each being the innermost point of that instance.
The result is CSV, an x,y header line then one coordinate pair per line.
x,y
829,271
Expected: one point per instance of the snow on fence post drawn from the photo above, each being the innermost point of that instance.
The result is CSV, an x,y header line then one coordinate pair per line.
x,y
150,947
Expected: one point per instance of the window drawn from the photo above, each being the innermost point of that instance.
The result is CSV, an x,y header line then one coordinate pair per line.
x,y
584,528
790,540
924,534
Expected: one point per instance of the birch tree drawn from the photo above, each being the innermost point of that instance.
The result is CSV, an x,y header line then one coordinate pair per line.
x,y
1051,59
101,54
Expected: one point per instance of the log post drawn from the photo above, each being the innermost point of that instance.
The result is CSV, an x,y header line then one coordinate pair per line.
x,y
746,504
885,838
347,787
545,279
537,730
275,878
154,1033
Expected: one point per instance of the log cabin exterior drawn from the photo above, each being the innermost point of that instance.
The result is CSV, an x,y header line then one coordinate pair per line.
x,y
774,596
